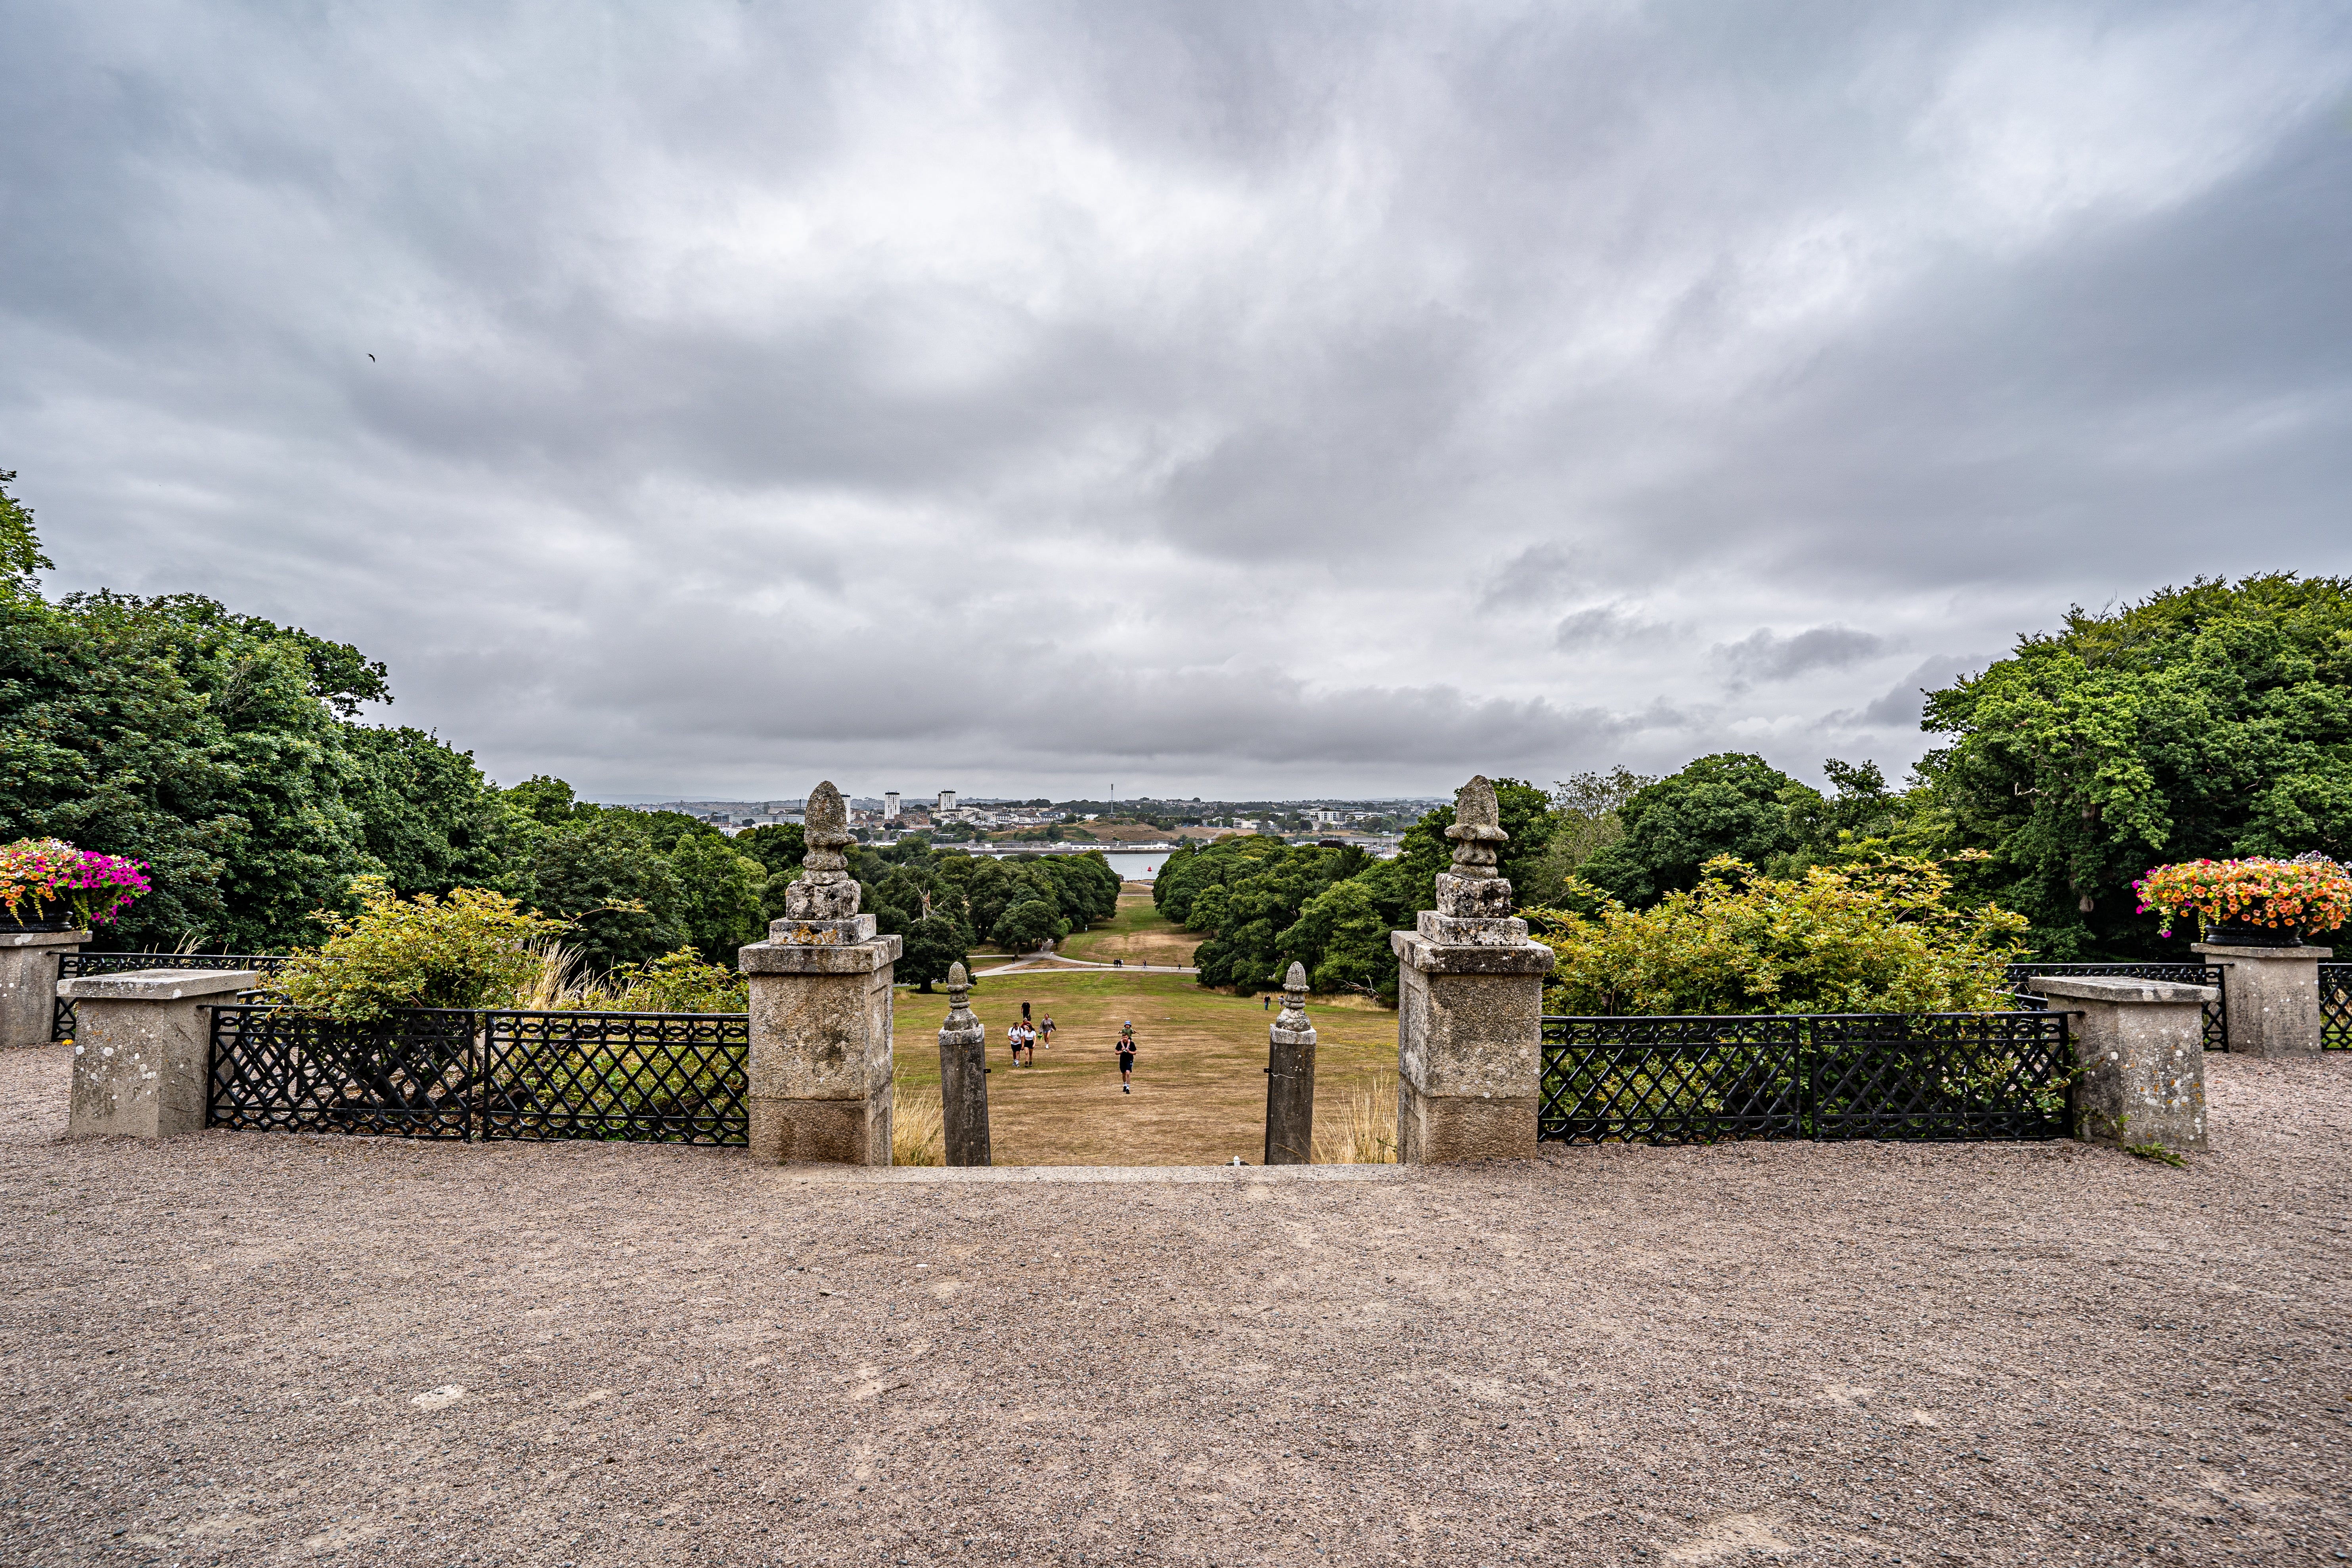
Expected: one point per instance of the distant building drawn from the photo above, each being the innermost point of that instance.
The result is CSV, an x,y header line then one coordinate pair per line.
x,y
890,805
947,800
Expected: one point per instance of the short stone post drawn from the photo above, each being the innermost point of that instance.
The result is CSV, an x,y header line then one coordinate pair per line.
x,y
142,1048
1469,1007
964,1076
28,982
2271,997
1290,1078
2140,1058
820,1057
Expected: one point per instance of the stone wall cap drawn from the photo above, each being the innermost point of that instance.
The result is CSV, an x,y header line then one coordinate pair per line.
x,y
2118,988
157,984
1416,951
44,939
838,958
2223,950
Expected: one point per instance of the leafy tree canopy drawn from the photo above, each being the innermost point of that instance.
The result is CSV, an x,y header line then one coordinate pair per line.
x,y
2213,721
1731,804
20,547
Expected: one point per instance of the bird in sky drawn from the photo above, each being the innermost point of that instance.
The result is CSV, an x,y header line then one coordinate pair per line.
x,y
370,359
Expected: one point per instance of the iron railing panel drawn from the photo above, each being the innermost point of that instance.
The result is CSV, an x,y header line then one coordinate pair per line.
x,y
660,1077
1670,1080
1944,1077
2336,1006
2217,1012
72,964
1939,1077
276,1070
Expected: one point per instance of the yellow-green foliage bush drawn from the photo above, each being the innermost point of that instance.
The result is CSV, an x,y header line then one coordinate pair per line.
x,y
678,983
474,949
1883,935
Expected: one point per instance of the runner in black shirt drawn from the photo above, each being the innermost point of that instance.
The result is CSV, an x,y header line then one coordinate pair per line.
x,y
1127,1057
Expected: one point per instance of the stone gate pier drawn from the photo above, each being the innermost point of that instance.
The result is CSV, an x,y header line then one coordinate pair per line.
x,y
2271,997
819,1067
1469,1006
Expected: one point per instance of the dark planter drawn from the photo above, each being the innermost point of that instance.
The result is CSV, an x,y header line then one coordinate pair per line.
x,y
46,917
2254,936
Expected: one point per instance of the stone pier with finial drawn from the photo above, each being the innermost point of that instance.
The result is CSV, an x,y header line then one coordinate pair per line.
x,y
1469,1006
820,1059
1290,1078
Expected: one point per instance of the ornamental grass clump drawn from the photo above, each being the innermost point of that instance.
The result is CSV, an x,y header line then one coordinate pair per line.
x,y
49,878
474,949
1876,936
2309,893
678,982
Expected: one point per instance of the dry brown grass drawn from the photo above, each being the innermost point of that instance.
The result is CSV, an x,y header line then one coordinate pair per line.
x,y
1363,1132
1200,1078
918,1125
563,980
1136,933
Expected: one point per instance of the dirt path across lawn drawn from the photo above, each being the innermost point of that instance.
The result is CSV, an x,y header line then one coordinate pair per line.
x,y
254,1348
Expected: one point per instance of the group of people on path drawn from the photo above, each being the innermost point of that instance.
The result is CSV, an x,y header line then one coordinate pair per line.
x,y
1025,1037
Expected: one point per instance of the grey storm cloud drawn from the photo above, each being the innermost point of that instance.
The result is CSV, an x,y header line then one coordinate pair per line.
x,y
1245,399
1766,654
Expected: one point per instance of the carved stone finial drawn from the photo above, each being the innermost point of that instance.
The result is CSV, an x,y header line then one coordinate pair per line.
x,y
825,890
959,997
1478,831
827,825
1294,999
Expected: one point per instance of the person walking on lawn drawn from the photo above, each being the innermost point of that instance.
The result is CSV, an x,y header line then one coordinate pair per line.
x,y
1127,1057
1045,1031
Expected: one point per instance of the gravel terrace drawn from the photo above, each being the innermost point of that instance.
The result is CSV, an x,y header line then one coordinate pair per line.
x,y
241,1348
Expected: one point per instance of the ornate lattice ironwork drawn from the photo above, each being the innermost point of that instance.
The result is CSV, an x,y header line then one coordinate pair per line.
x,y
70,964
1702,1079
1671,1079
1938,1076
658,1077
2336,1006
2217,1013
276,1070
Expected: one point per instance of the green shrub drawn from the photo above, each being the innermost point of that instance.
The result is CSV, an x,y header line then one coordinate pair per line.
x,y
1874,936
474,949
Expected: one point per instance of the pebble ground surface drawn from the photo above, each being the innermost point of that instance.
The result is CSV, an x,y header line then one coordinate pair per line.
x,y
243,1348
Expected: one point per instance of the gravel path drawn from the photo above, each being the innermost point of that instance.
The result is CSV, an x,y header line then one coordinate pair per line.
x,y
226,1348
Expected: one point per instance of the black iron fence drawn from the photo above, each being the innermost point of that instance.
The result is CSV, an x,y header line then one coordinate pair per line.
x,y
656,1078
71,964
2217,1015
660,1077
2336,1006
417,1075
1940,1076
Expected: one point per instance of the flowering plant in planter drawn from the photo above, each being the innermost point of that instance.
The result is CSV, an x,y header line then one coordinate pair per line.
x,y
47,880
2285,898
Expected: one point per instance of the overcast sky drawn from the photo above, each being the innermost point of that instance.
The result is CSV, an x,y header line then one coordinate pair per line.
x,y
1196,399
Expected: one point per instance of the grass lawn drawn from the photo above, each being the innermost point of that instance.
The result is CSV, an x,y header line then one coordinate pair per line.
x,y
1199,1067
1138,933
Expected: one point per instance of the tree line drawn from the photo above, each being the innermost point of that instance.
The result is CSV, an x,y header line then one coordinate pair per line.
x,y
2209,721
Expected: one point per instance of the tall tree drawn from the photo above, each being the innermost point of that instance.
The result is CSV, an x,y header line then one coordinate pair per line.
x,y
1732,803
2213,721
